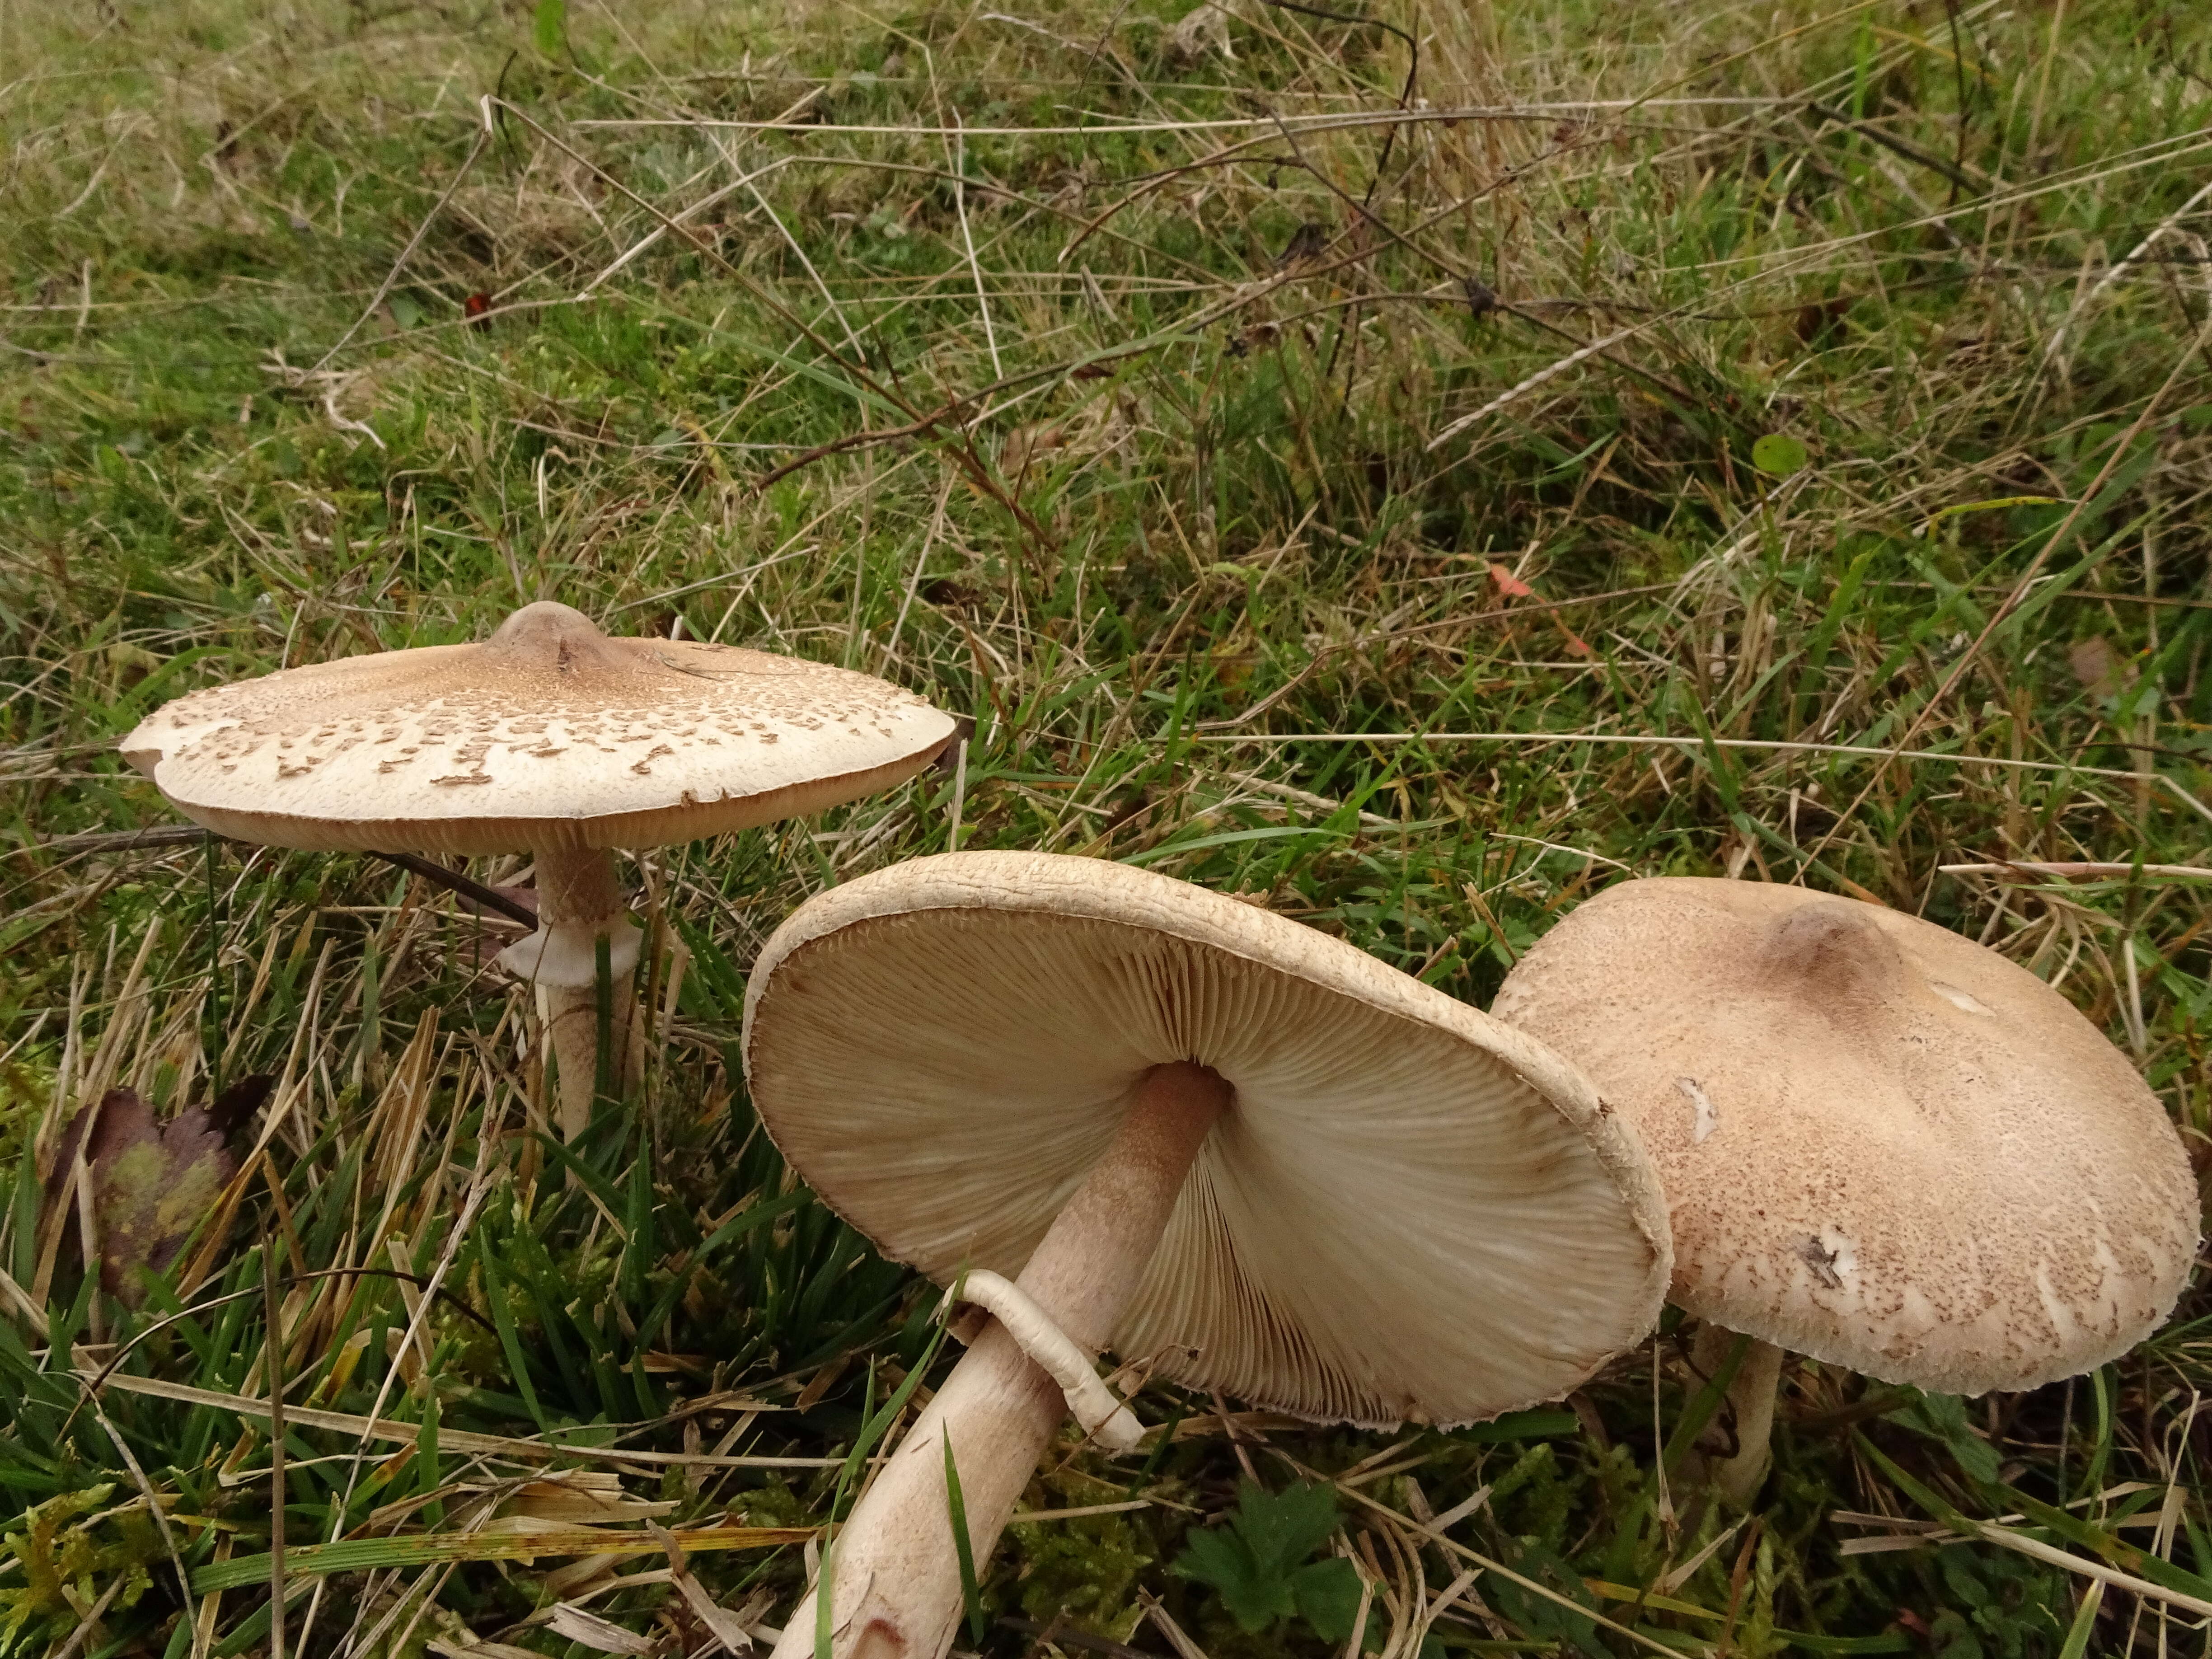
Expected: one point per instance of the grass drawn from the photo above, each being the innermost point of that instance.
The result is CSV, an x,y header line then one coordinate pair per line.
x,y
975,366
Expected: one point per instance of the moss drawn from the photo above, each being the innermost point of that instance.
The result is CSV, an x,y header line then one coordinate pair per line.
x,y
60,1554
773,1504
1083,1572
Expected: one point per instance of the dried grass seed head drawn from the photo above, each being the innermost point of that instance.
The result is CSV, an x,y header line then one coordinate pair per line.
x,y
548,735
1409,1212
1883,1146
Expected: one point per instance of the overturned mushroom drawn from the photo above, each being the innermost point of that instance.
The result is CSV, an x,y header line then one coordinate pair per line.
x,y
1883,1146
1227,1146
549,738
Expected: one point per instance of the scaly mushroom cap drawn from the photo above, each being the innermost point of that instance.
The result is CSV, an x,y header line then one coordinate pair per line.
x,y
1883,1146
1407,1211
548,735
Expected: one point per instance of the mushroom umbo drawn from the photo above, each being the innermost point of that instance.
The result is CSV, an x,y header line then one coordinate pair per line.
x,y
549,738
1884,1146
1227,1146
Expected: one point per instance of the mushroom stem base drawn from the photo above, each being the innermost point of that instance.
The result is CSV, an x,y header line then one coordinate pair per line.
x,y
894,1574
577,890
1745,1421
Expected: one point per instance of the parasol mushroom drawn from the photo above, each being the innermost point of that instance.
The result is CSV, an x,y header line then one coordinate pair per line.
x,y
1883,1146
549,738
1222,1144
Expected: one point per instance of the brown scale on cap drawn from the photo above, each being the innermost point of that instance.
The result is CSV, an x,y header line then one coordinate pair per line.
x,y
548,733
1883,1146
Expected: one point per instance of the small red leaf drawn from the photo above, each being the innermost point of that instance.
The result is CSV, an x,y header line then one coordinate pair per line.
x,y
1510,585
1514,588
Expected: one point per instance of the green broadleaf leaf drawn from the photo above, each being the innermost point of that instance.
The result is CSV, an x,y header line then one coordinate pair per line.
x,y
1221,1559
1778,454
1252,1562
1328,1595
1283,1528
1258,1604
1214,1557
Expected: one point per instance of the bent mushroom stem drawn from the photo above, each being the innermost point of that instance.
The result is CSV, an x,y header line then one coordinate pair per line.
x,y
1749,1409
577,896
1103,1417
895,1576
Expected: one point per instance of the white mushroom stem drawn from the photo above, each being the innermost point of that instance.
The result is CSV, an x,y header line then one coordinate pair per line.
x,y
895,1576
578,903
1749,1409
1103,1417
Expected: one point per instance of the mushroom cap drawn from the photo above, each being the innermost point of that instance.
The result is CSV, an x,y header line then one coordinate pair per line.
x,y
1883,1146
548,736
1408,1212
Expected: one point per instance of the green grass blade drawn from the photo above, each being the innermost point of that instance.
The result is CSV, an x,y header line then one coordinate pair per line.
x,y
956,1506
2085,1621
823,1592
502,1317
1703,1404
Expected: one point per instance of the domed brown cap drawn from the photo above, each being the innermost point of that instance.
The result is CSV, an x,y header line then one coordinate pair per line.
x,y
1882,1146
548,735
1407,1211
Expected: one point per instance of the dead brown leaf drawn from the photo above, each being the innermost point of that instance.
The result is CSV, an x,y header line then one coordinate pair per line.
x,y
152,1183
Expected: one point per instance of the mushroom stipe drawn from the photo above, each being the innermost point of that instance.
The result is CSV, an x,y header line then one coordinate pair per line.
x,y
999,1409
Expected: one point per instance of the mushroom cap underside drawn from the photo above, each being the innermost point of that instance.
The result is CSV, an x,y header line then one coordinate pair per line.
x,y
1408,1212
1883,1146
550,735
